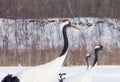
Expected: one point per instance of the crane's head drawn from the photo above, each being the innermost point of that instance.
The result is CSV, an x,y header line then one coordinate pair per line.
x,y
99,47
66,23
86,58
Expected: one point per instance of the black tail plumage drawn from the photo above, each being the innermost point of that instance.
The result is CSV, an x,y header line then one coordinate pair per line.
x,y
10,78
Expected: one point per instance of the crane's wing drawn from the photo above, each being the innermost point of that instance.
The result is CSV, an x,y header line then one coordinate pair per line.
x,y
47,72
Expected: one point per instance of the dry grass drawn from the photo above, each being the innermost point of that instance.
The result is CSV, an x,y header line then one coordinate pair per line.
x,y
33,56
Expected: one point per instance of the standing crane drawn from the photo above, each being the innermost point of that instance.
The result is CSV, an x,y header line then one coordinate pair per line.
x,y
86,76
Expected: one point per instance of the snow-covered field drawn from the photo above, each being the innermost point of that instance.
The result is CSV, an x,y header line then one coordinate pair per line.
x,y
100,73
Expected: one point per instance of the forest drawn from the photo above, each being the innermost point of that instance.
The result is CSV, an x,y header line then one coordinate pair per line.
x,y
59,8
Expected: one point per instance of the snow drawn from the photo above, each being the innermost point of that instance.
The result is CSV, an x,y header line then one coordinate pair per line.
x,y
101,73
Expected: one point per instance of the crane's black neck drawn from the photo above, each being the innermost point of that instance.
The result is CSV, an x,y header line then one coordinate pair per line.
x,y
87,62
65,48
96,57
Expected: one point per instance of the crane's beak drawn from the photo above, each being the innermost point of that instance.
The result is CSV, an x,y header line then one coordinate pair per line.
x,y
74,26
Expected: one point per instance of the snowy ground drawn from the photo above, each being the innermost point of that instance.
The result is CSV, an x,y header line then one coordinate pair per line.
x,y
100,74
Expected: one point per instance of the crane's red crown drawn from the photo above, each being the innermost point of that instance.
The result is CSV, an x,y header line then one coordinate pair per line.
x,y
65,20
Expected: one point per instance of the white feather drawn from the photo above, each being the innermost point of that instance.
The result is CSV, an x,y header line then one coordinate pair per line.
x,y
45,73
97,47
84,77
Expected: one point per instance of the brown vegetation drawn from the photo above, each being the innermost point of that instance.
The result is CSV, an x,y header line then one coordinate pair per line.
x,y
33,56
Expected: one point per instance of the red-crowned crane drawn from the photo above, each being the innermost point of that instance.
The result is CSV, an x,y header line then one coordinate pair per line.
x,y
86,76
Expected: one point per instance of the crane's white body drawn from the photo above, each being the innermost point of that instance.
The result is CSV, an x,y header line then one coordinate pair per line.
x,y
83,77
45,73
